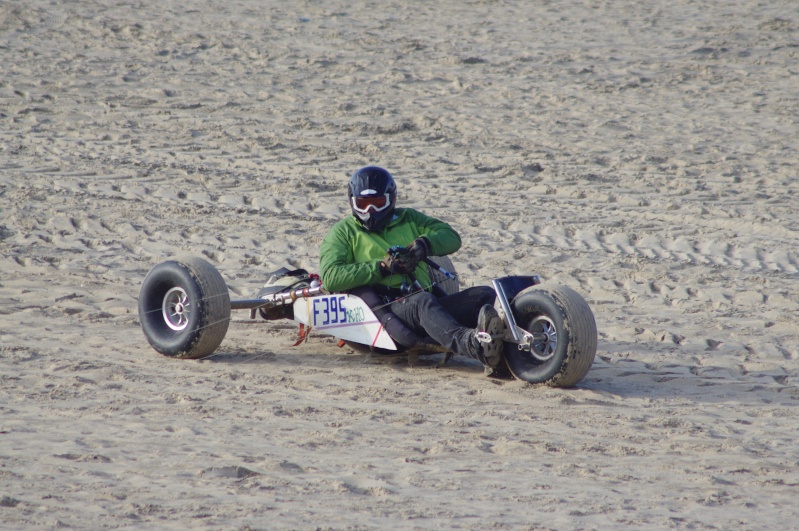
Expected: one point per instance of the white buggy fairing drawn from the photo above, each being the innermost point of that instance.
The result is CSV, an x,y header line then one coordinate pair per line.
x,y
343,316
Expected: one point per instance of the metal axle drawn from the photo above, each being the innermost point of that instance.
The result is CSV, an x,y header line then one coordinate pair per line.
x,y
275,299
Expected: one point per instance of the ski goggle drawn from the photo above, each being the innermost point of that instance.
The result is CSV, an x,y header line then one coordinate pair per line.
x,y
377,203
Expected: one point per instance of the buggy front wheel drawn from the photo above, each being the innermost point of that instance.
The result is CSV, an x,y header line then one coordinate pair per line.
x,y
564,336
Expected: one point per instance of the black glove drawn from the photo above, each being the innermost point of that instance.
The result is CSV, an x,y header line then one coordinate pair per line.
x,y
420,249
398,261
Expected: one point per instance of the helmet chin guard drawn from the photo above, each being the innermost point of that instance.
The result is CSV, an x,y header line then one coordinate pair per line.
x,y
372,194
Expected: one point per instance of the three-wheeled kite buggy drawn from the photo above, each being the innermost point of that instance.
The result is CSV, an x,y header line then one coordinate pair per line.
x,y
550,333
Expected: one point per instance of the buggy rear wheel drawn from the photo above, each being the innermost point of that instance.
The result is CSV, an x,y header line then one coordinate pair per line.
x,y
184,308
564,336
448,285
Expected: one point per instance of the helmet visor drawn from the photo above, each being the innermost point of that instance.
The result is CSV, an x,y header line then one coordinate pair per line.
x,y
378,203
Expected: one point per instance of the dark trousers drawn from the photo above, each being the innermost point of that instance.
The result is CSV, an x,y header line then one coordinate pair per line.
x,y
448,320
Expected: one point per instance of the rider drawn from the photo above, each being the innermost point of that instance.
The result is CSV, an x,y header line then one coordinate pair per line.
x,y
383,247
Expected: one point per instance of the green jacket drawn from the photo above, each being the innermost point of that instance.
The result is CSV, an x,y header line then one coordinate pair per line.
x,y
350,256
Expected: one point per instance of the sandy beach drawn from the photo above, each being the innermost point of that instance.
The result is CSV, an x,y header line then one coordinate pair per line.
x,y
642,153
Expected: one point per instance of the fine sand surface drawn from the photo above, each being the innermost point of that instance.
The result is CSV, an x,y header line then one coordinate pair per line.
x,y
643,153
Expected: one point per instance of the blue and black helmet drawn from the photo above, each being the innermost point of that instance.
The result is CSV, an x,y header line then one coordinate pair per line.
x,y
372,195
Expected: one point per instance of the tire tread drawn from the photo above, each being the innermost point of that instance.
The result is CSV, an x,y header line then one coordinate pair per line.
x,y
582,333
216,315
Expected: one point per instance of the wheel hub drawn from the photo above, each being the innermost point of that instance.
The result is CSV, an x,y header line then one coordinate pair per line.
x,y
176,309
545,338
